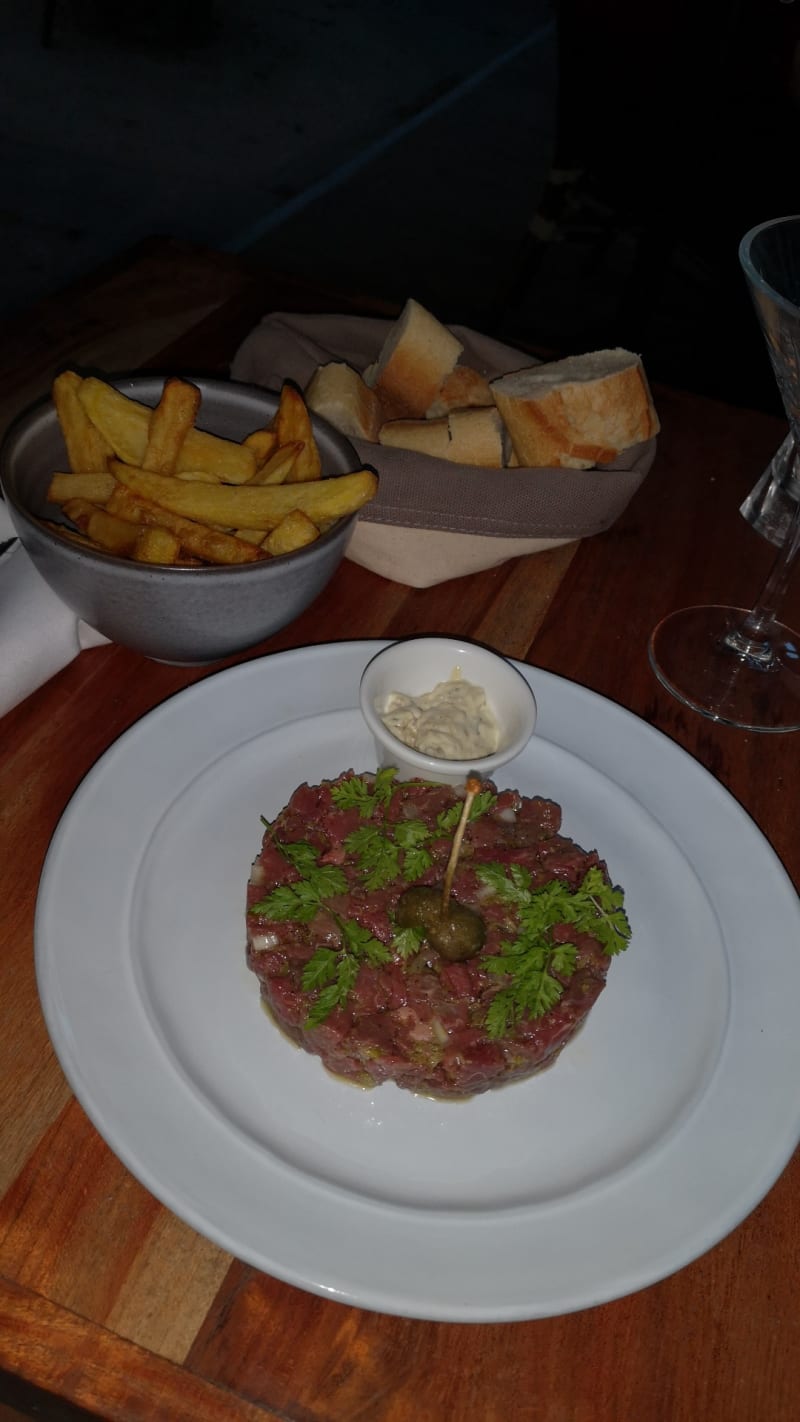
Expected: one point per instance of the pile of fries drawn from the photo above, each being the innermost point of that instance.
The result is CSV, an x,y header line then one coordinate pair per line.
x,y
148,485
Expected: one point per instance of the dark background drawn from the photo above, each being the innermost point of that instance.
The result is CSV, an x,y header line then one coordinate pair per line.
x,y
404,150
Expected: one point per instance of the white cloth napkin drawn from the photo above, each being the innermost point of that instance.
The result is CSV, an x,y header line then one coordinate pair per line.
x,y
38,633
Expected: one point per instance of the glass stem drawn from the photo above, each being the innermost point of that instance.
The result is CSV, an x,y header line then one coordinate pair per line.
x,y
751,638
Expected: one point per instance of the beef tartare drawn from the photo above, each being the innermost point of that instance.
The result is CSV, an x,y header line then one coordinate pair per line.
x,y
343,937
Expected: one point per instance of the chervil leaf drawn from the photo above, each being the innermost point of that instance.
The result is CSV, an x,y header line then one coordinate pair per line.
x,y
362,841
407,942
447,820
501,1014
500,963
596,908
339,973
411,833
609,924
320,969
534,962
384,784
416,862
301,855
326,881
541,908
541,995
306,900
362,943
284,903
335,994
510,883
299,902
354,794
378,856
563,959
383,867
484,800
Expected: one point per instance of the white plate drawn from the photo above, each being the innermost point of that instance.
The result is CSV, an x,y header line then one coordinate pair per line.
x,y
660,1127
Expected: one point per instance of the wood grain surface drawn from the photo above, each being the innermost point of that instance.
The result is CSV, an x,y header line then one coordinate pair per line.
x,y
110,1304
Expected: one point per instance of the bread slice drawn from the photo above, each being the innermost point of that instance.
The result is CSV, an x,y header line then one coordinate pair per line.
x,y
462,437
462,389
338,393
578,412
416,356
476,437
425,436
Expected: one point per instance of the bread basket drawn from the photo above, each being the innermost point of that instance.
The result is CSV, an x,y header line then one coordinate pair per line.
x,y
433,520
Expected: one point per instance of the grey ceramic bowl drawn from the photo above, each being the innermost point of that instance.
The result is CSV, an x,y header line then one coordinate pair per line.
x,y
189,615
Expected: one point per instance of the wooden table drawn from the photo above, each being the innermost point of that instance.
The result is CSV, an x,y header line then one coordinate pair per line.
x,y
109,1303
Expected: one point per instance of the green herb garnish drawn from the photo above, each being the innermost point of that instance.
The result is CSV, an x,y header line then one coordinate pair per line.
x,y
533,961
356,794
384,851
448,820
301,900
334,974
332,970
395,849
408,941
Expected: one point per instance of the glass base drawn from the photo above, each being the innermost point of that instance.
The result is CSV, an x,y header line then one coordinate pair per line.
x,y
700,656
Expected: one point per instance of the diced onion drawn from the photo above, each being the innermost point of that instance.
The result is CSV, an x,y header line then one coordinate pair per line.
x,y
439,1032
261,942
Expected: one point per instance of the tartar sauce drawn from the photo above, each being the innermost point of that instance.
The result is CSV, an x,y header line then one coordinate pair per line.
x,y
454,721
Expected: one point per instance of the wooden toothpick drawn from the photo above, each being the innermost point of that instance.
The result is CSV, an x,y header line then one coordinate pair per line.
x,y
473,786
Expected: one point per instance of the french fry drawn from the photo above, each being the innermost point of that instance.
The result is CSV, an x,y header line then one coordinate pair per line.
x,y
86,447
156,545
125,424
198,476
263,443
79,511
170,423
98,488
196,538
252,506
294,531
114,535
124,504
175,495
68,533
293,425
277,469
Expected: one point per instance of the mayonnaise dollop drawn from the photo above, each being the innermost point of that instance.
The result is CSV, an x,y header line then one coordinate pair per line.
x,y
454,721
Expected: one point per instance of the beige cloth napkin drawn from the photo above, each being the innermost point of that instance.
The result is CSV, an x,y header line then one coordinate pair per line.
x,y
38,633
432,520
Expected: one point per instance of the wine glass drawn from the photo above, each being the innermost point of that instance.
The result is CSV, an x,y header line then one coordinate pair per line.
x,y
735,666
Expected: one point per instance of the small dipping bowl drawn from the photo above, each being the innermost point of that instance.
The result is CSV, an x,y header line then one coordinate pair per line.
x,y
418,665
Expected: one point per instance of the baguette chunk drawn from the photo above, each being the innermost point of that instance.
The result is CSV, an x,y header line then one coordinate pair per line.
x,y
462,389
339,394
579,412
416,357
462,437
425,436
476,437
